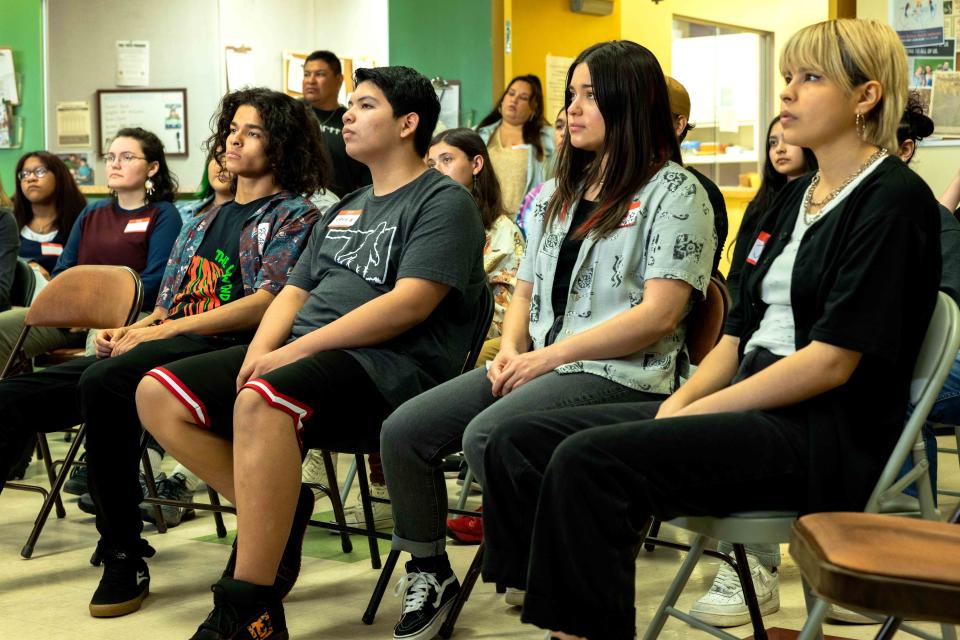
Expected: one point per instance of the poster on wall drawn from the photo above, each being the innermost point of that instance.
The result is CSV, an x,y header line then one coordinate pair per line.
x,y
80,166
8,77
557,67
133,63
918,22
945,103
73,124
924,62
162,111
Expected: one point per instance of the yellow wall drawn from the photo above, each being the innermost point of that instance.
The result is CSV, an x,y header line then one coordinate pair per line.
x,y
548,26
652,24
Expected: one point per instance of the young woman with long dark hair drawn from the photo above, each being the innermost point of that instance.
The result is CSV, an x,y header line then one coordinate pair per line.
x,y
799,405
519,139
46,203
619,245
460,154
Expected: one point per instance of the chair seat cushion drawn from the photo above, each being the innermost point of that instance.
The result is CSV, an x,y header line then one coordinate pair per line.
x,y
886,564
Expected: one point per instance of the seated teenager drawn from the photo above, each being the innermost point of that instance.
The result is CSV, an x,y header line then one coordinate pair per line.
x,y
801,403
619,246
222,274
380,307
136,227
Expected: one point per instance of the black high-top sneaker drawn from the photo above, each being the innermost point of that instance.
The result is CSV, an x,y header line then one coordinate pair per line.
x,y
125,582
426,599
289,568
243,611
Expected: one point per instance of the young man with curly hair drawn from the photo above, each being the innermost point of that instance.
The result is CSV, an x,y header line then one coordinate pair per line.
x,y
381,306
224,270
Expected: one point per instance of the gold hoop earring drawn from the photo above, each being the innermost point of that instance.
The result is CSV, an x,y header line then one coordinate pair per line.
x,y
861,126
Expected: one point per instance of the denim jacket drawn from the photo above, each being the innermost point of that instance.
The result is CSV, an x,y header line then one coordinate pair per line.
x,y
270,243
667,232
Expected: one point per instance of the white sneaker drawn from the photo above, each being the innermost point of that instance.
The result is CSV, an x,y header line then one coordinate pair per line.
x,y
836,613
382,513
514,597
723,605
314,471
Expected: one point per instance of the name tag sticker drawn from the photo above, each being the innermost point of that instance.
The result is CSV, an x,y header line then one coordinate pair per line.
x,y
758,247
346,218
263,230
137,225
50,249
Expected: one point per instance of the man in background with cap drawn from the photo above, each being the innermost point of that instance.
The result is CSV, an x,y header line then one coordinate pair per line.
x,y
680,108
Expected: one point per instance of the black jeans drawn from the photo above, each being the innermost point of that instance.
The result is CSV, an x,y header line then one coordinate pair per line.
x,y
568,492
100,393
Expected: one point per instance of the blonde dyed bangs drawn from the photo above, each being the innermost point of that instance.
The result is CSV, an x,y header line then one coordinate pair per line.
x,y
844,49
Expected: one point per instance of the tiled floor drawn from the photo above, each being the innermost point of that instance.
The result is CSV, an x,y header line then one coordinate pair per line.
x,y
46,597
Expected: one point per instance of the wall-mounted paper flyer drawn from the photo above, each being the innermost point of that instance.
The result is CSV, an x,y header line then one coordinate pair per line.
x,y
73,124
133,63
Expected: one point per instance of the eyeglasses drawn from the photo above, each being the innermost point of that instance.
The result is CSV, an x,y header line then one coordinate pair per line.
x,y
39,172
125,158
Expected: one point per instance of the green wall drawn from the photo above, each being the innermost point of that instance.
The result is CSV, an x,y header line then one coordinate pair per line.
x,y
21,28
448,38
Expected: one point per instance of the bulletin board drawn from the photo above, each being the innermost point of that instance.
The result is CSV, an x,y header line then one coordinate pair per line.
x,y
162,111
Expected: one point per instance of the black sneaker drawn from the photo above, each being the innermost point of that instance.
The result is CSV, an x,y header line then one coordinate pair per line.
x,y
77,482
243,611
289,569
85,503
172,488
124,585
426,599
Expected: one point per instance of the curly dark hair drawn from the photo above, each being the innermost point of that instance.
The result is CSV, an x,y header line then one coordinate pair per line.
x,y
68,201
164,181
295,151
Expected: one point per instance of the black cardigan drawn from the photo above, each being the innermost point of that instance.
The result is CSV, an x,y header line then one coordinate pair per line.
x,y
865,279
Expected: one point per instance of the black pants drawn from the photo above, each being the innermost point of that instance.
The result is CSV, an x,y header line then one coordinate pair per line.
x,y
568,492
100,393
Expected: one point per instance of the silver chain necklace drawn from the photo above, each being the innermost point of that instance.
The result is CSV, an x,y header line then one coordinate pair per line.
x,y
808,201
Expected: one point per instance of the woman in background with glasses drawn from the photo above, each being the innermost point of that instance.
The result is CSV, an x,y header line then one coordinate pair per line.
x,y
135,227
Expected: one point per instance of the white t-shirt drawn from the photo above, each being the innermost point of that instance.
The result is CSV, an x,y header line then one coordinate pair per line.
x,y
777,332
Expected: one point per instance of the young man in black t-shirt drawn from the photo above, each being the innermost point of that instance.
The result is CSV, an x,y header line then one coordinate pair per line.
x,y
380,307
322,80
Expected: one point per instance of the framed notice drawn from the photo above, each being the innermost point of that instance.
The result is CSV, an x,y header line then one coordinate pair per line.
x,y
163,112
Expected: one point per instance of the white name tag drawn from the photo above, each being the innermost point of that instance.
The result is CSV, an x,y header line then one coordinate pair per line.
x,y
137,225
50,249
346,218
758,246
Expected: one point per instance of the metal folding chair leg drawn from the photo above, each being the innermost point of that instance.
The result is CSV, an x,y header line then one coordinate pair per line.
x,y
348,481
469,580
675,589
54,494
749,592
217,516
44,449
345,543
654,532
465,490
148,476
385,574
368,512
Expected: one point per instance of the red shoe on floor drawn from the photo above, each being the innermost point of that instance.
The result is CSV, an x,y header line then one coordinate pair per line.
x,y
466,529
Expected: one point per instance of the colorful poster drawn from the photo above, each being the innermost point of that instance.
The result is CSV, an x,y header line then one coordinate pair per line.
x,y
918,22
924,62
945,103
